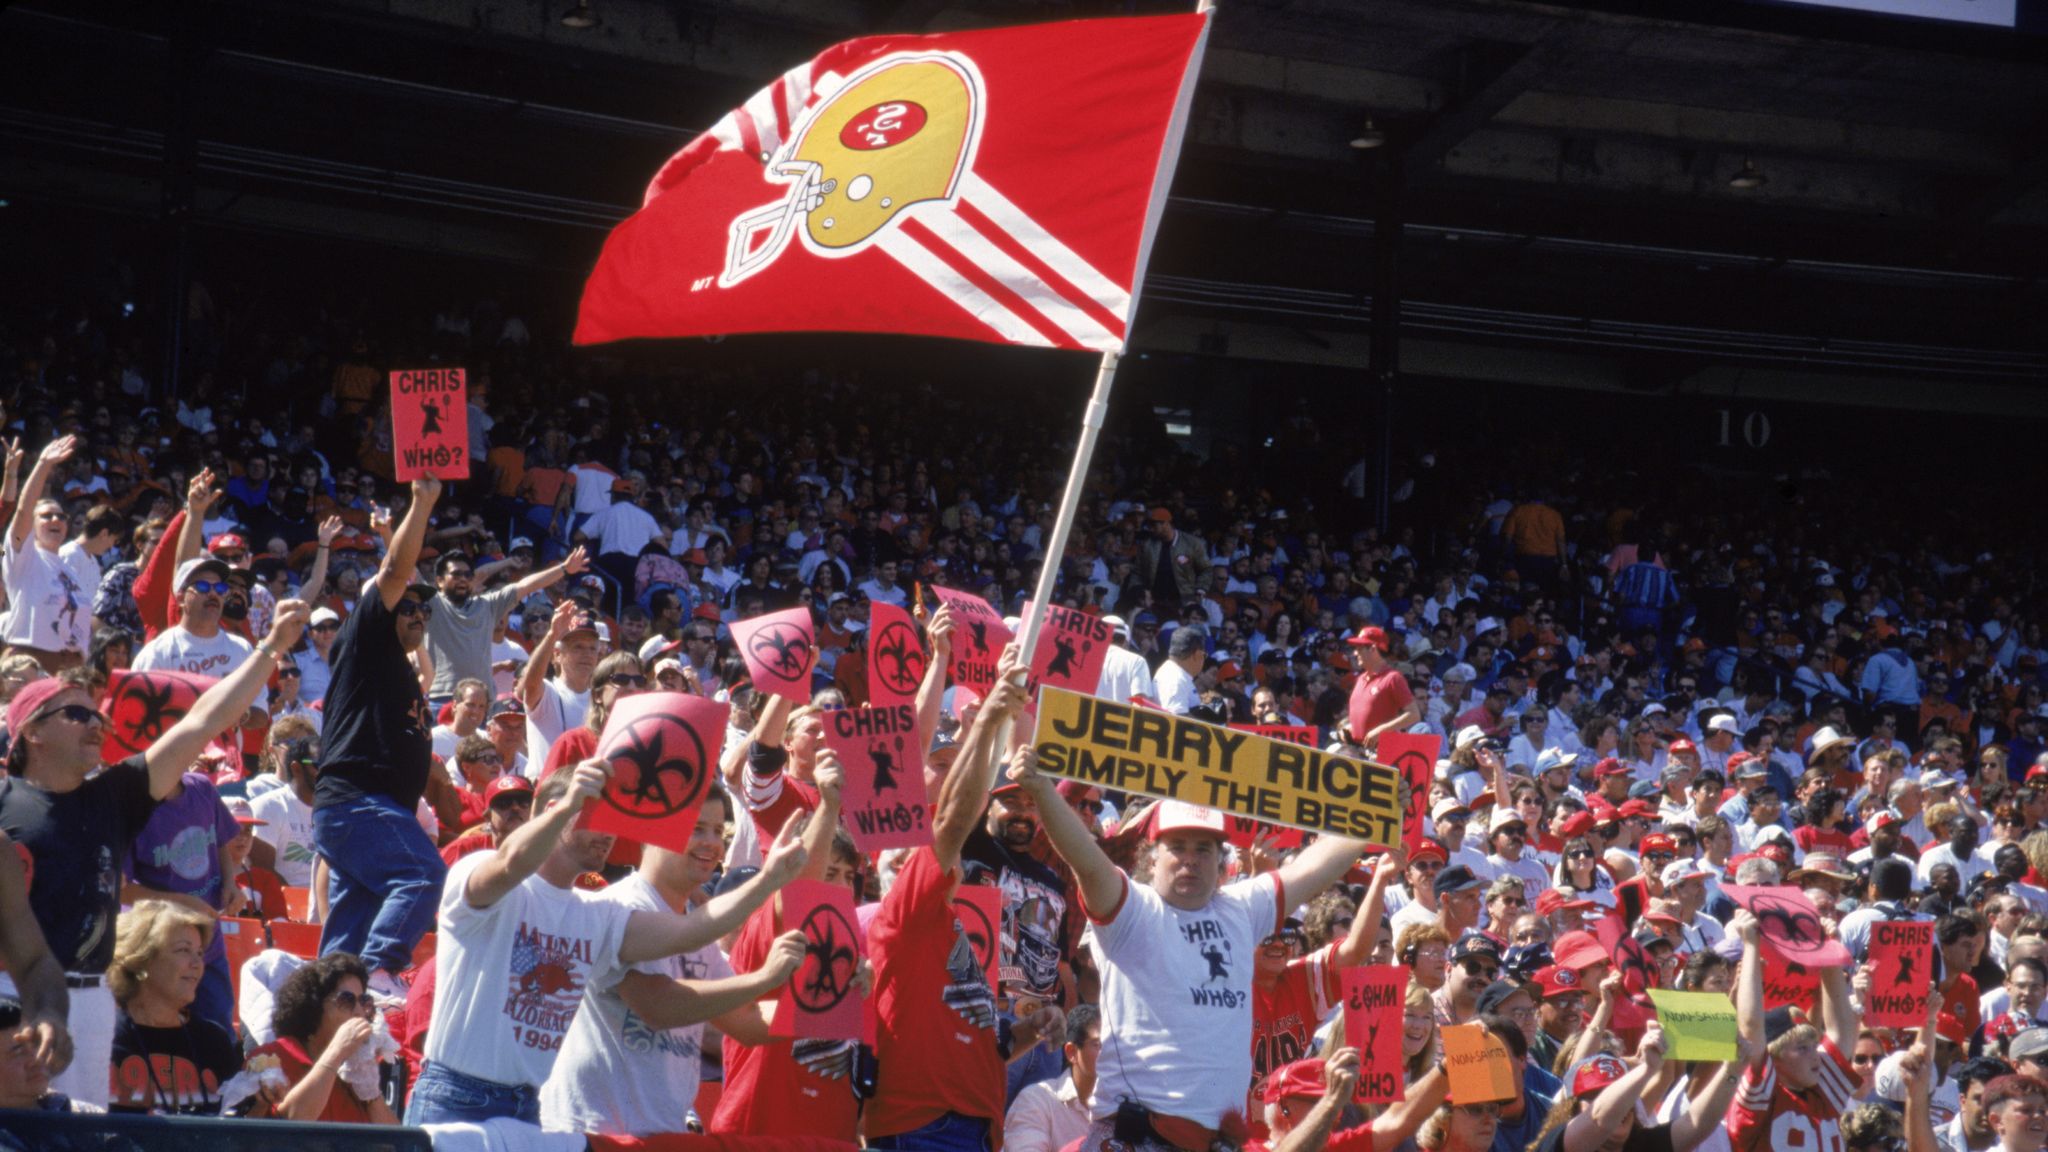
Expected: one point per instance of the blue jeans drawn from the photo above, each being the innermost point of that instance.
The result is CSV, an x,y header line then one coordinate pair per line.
x,y
442,1095
383,880
949,1133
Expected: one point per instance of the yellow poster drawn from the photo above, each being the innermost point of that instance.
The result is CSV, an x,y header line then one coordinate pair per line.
x,y
1171,757
1699,1025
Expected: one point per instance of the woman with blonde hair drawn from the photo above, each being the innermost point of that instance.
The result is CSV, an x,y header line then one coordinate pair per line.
x,y
165,1059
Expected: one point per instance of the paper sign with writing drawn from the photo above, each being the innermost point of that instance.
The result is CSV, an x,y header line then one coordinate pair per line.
x,y
821,1000
1901,973
663,751
882,802
1414,756
1071,649
1374,1000
1477,1063
978,638
780,650
1302,734
1699,1025
1173,757
1787,981
979,909
896,657
141,706
1788,920
430,423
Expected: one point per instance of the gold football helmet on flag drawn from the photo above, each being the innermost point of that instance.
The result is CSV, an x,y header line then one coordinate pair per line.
x,y
899,132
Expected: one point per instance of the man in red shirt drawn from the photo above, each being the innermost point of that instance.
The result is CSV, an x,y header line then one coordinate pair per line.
x,y
1380,699
941,1053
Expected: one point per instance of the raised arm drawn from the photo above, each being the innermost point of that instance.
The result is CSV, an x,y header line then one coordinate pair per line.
x,y
202,492
401,564
1316,867
1709,1111
1340,1080
1616,1103
1918,1064
829,777
38,978
963,795
1404,1117
931,693
1749,980
529,845
316,578
662,1003
652,935
1102,882
1838,1015
225,703
536,671
1357,945
24,522
533,582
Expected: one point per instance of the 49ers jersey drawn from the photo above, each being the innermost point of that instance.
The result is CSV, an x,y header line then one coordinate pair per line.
x,y
1769,1117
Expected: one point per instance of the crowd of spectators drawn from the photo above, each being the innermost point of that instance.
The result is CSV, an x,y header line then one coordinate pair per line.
x,y
1642,697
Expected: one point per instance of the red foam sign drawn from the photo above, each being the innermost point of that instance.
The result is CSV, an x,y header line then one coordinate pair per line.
x,y
430,423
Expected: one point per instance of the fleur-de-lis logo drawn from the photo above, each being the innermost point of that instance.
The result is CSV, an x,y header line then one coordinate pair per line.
x,y
831,960
657,768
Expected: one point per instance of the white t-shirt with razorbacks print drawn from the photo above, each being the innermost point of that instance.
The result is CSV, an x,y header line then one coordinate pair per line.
x,y
511,976
1177,999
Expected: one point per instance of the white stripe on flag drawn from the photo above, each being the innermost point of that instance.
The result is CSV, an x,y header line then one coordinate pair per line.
x,y
950,284
1045,245
1021,280
760,107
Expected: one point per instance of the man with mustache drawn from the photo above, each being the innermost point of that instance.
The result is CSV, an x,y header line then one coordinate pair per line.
x,y
198,642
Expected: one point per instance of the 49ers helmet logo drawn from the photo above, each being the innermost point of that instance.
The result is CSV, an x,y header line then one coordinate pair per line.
x,y
898,133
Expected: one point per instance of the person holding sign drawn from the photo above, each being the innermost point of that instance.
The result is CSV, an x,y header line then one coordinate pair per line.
x,y
1796,1098
377,749
519,942
1176,959
631,1062
1605,1110
1305,1099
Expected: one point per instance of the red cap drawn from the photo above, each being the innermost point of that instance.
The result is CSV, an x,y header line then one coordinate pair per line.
x,y
1597,1072
1695,645
32,696
1162,516
1609,766
1639,807
1556,980
1301,1078
1681,745
226,540
1602,811
696,556
2036,772
1551,901
508,783
1655,841
1429,848
1574,826
1371,636
1228,670
705,612
1579,951
1178,816
1951,1029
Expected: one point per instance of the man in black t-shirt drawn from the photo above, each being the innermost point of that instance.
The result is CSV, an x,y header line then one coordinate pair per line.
x,y
78,830
998,854
383,873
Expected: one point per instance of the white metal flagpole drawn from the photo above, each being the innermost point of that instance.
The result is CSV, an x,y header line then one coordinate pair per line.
x,y
1093,416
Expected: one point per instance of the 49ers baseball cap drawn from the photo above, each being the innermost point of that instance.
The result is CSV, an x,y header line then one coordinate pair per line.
x,y
1371,636
1557,980
508,783
1301,1078
1594,1073
1178,816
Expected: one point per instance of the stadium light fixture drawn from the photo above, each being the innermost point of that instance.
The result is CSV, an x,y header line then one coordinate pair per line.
x,y
580,17
1750,177
1369,136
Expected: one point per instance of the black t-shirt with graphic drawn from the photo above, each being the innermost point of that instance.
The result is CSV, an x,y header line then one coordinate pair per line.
x,y
171,1069
376,737
1034,910
79,842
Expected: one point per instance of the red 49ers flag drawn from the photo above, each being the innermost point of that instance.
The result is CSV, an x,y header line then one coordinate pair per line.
x,y
999,185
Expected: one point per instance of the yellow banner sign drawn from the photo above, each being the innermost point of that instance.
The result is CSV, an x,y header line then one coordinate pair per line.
x,y
1171,757
1698,1025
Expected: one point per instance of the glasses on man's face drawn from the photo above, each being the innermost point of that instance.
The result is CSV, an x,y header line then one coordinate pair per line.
x,y
77,714
509,804
208,587
1480,969
414,608
327,626
1659,857
288,673
1865,1058
457,573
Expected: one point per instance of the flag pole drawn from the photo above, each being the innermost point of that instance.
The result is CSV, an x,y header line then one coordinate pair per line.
x,y
1097,411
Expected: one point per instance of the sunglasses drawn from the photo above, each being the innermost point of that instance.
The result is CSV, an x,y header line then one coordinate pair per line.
x,y
509,804
288,673
628,680
352,1003
232,557
327,626
414,608
76,713
208,587
1475,968
1091,807
1656,857
1581,854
